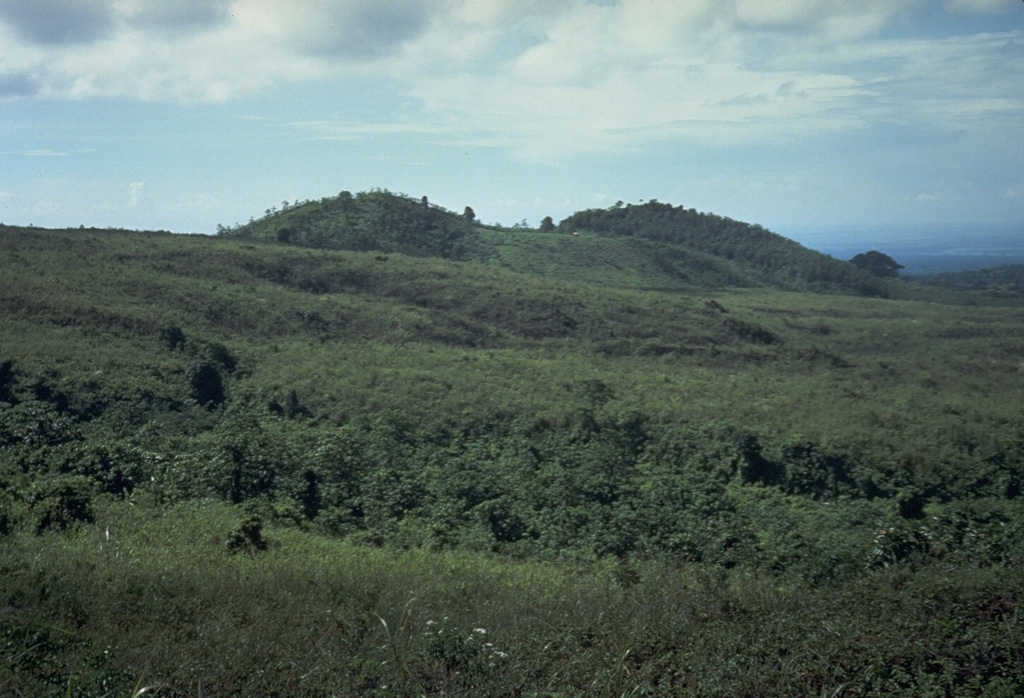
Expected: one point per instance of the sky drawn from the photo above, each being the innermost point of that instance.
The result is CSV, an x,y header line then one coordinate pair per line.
x,y
804,116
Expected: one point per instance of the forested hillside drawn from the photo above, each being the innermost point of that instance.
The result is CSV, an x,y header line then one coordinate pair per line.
x,y
650,246
376,220
1003,281
769,259
231,466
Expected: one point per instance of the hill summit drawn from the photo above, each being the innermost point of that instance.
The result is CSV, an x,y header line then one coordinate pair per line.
x,y
652,245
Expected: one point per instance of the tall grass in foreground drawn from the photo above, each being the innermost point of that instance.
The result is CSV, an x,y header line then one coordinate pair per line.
x,y
154,599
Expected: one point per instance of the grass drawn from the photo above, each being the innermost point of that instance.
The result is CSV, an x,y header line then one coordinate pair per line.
x,y
610,262
162,599
447,399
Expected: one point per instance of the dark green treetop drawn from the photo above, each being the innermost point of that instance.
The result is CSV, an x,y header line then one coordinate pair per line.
x,y
877,263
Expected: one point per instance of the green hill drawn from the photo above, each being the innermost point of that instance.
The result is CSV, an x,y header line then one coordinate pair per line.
x,y
375,220
1006,281
231,466
612,262
143,339
763,257
651,246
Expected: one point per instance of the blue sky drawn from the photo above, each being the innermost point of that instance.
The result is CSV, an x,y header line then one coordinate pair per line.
x,y
800,115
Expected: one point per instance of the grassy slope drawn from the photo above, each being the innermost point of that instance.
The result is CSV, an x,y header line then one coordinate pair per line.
x,y
294,316
446,341
1005,281
907,384
652,246
152,599
613,262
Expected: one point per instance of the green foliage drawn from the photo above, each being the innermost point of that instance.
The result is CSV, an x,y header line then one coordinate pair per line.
x,y
1002,282
652,246
147,597
60,502
376,220
877,263
246,536
6,381
631,491
760,256
205,382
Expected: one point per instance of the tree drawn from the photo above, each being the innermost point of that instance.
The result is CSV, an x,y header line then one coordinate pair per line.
x,y
469,214
878,264
206,383
547,225
7,382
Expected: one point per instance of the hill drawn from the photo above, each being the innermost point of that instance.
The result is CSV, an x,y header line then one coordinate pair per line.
x,y
1006,281
766,258
143,340
375,220
231,466
651,246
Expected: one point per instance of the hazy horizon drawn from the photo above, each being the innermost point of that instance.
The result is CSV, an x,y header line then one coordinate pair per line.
x,y
921,249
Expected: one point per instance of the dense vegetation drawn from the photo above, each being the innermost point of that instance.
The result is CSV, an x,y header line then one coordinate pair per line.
x,y
376,220
1003,281
765,257
230,466
650,246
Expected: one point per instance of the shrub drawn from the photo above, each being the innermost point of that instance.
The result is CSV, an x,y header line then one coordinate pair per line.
x,y
206,384
61,502
247,536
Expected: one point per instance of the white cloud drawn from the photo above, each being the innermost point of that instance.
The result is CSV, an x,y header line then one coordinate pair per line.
x,y
133,192
980,6
17,84
825,18
177,16
360,29
57,22
540,77
198,50
602,77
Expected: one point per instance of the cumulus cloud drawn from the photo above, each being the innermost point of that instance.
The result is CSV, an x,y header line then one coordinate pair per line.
x,y
17,85
540,77
600,77
71,22
180,15
59,21
830,20
358,28
194,50
351,29
978,6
